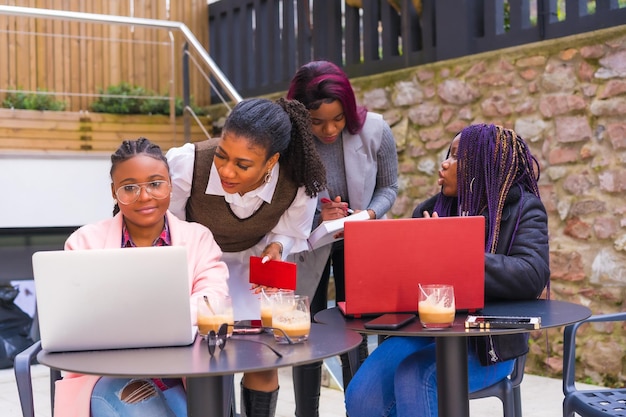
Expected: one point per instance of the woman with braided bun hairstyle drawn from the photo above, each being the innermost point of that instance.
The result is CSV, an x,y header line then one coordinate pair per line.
x,y
490,172
256,189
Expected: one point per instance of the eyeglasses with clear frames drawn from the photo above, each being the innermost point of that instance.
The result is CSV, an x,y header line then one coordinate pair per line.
x,y
219,339
129,193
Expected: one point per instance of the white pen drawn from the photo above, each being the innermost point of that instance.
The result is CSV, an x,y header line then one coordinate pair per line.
x,y
325,200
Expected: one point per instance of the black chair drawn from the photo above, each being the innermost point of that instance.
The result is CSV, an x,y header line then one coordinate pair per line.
x,y
507,390
588,403
21,367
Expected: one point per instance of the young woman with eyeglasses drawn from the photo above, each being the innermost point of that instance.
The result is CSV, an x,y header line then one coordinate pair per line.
x,y
141,190
256,189
490,172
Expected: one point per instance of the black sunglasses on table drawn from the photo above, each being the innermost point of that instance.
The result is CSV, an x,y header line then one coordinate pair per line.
x,y
219,339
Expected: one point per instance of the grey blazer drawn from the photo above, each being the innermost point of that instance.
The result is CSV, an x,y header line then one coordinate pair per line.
x,y
360,158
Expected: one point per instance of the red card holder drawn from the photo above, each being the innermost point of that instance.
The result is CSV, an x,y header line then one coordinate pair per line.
x,y
276,274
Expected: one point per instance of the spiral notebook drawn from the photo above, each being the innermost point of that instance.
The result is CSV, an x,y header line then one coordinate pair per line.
x,y
113,298
385,260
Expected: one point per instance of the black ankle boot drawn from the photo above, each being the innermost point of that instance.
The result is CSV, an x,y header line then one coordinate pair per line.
x,y
258,403
346,372
307,380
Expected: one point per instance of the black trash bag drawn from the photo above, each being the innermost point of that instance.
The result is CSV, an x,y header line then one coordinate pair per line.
x,y
15,327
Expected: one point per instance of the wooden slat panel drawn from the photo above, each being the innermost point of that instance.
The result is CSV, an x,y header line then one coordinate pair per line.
x,y
66,58
63,143
39,116
22,53
47,128
46,145
32,50
4,52
57,56
162,55
74,74
95,53
106,53
66,79
40,49
112,51
51,59
29,129
81,65
12,53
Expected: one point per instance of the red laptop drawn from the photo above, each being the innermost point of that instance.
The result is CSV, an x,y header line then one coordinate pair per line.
x,y
385,260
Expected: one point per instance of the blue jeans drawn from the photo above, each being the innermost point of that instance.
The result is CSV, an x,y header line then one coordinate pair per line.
x,y
400,379
106,402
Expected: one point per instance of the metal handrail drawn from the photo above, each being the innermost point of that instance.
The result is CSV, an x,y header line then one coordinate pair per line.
x,y
130,21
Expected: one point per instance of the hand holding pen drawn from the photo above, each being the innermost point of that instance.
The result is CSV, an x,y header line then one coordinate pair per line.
x,y
334,209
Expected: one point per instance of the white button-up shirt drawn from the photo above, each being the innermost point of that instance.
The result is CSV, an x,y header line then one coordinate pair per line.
x,y
292,230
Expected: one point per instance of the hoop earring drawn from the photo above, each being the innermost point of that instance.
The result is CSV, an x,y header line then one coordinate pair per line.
x,y
268,176
471,183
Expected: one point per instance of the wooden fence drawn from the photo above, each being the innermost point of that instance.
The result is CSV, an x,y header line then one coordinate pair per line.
x,y
35,130
273,38
75,60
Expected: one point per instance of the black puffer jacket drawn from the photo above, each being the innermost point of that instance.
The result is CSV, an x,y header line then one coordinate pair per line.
x,y
519,270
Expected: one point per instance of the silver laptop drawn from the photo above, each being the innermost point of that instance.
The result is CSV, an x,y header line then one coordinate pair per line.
x,y
113,298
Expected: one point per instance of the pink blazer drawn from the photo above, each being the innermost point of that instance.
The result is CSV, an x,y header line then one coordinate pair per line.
x,y
207,276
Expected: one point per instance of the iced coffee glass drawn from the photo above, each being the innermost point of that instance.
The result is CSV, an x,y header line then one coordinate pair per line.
x,y
291,314
213,311
267,300
436,306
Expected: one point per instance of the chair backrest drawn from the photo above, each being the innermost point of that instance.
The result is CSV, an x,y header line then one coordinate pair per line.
x,y
23,378
598,402
518,371
507,390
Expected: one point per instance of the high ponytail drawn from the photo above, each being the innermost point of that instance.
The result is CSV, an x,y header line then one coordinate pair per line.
x,y
282,127
303,161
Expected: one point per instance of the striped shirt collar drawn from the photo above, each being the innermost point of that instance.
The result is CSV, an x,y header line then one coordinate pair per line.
x,y
164,239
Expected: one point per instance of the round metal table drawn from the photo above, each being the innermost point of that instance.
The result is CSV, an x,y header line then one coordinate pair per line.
x,y
209,379
451,344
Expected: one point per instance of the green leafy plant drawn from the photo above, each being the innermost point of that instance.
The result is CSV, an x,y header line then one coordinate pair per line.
x,y
160,106
128,99
33,101
119,99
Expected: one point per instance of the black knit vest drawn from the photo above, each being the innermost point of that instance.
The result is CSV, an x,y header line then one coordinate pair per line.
x,y
231,233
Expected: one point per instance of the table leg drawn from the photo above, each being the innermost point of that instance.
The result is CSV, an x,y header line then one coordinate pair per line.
x,y
209,396
353,360
452,385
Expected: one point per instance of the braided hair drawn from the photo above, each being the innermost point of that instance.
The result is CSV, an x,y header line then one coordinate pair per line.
x,y
131,148
490,160
282,127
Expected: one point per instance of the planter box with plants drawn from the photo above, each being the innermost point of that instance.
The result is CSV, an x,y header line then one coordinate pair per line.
x,y
38,122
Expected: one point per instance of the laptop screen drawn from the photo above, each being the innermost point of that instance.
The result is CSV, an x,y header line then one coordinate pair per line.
x,y
113,298
385,260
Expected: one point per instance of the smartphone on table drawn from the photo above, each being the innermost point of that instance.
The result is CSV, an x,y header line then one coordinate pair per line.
x,y
502,322
248,327
389,321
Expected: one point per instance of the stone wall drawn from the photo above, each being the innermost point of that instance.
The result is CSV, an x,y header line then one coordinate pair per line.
x,y
567,98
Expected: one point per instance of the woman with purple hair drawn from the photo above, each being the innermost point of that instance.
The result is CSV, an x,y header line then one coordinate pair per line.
x,y
359,153
489,171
